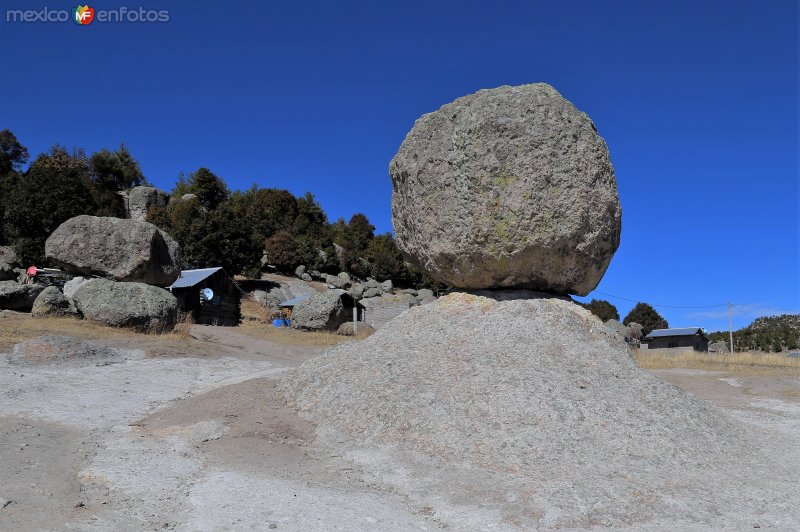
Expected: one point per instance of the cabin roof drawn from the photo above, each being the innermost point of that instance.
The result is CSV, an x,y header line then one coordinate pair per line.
x,y
190,278
683,331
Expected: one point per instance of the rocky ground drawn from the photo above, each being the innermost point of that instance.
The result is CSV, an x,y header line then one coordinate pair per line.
x,y
201,439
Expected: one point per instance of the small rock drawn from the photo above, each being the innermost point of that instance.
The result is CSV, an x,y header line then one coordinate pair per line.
x,y
5,502
273,525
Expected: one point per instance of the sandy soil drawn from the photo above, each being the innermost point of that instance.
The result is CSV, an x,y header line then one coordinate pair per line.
x,y
194,436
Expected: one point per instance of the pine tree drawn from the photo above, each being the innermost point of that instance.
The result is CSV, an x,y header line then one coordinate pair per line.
x,y
647,317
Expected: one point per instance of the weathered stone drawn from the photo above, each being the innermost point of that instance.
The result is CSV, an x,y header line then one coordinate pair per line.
x,y
411,299
322,311
52,349
372,291
338,281
425,295
387,286
132,305
123,250
15,296
617,327
7,256
306,277
51,302
189,197
410,291
73,284
635,331
718,347
363,329
299,271
7,272
260,297
507,188
140,199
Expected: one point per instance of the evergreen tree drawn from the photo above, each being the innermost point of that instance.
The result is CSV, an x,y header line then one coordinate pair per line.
x,y
354,239
386,260
12,154
647,317
54,189
114,172
602,309
206,185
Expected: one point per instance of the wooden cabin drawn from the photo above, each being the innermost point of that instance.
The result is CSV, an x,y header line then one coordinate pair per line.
x,y
685,339
222,308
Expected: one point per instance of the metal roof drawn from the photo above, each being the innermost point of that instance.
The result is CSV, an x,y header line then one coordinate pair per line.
x,y
295,300
192,277
684,331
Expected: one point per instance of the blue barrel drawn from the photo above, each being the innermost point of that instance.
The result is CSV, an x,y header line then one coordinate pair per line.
x,y
278,323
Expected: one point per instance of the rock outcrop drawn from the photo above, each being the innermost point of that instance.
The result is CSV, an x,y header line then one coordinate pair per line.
x,y
20,297
480,399
507,188
68,350
9,262
323,311
718,347
71,286
122,250
51,302
131,305
140,199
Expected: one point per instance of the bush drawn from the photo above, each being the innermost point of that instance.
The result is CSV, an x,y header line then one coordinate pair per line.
x,y
602,309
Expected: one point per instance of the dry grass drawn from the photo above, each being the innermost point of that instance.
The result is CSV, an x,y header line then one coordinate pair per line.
x,y
256,322
19,327
747,362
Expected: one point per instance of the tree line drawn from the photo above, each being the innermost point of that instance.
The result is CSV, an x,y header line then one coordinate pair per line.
x,y
643,314
767,334
217,226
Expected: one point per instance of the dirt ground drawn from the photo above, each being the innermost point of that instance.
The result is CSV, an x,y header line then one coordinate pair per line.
x,y
189,433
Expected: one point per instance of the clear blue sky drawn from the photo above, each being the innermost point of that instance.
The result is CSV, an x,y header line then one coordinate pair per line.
x,y
698,102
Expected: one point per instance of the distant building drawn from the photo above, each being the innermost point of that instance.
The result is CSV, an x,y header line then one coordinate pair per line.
x,y
686,338
209,295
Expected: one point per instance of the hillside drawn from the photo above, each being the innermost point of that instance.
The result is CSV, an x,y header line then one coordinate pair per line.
x,y
771,333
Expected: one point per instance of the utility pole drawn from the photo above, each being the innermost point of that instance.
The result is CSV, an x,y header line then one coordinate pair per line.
x,y
730,325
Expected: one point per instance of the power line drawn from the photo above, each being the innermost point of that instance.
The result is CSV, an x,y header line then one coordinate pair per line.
x,y
656,305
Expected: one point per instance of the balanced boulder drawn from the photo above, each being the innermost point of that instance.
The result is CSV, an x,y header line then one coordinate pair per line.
x,y
20,297
140,199
51,302
323,311
507,188
123,250
132,305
